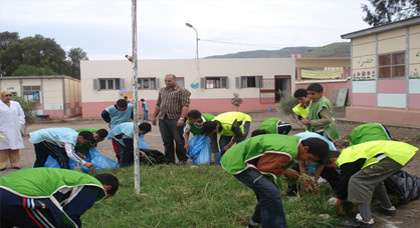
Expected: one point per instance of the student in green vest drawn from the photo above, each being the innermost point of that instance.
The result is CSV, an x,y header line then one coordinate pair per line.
x,y
302,109
194,124
98,136
321,114
273,126
49,197
233,127
363,169
258,161
369,132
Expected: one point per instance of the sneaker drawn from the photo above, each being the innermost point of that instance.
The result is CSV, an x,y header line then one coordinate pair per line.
x,y
384,211
357,222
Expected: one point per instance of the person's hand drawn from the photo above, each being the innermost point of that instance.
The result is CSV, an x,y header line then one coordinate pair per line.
x,y
81,155
339,204
225,148
304,121
212,161
291,173
154,121
89,165
143,154
180,123
187,147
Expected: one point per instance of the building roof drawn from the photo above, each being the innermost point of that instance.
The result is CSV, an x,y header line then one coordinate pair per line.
x,y
382,28
38,77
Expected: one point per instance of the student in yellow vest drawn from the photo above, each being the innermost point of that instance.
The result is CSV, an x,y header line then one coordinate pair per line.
x,y
233,127
302,109
363,169
321,114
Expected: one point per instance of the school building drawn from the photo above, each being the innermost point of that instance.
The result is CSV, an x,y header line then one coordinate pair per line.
x,y
385,69
59,96
212,82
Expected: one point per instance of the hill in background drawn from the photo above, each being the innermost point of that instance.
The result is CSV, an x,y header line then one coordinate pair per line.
x,y
341,49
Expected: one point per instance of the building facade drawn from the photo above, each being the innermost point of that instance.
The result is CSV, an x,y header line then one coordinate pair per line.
x,y
212,82
59,96
385,63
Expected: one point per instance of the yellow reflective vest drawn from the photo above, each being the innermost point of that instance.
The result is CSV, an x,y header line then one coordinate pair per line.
x,y
398,151
226,119
300,110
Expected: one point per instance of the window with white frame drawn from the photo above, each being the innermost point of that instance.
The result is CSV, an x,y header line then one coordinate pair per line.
x,y
392,65
108,84
148,83
215,82
248,81
180,81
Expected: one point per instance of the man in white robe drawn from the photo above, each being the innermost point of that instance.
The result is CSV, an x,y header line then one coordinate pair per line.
x,y
12,119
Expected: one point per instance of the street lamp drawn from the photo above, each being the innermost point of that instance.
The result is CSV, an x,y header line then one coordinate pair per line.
x,y
196,37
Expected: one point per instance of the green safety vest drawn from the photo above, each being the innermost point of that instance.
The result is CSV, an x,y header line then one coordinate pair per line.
x,y
301,111
368,132
270,125
236,159
398,151
226,119
42,183
331,129
199,131
84,148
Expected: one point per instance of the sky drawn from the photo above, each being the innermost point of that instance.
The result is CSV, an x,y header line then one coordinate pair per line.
x,y
102,28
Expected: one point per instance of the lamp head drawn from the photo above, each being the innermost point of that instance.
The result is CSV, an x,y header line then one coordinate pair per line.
x,y
189,25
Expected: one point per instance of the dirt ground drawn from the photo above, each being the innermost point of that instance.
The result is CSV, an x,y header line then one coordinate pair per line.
x,y
407,214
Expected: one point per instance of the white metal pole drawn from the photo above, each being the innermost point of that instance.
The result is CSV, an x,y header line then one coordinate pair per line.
x,y
135,100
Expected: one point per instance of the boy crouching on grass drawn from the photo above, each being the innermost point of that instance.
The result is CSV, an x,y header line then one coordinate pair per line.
x,y
258,161
364,167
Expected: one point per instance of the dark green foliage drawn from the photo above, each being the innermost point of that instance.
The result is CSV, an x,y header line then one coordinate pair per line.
x,y
28,70
287,102
385,11
38,55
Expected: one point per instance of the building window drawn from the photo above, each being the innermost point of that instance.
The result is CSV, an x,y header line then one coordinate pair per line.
x,y
147,83
248,81
214,82
108,84
180,82
31,92
392,65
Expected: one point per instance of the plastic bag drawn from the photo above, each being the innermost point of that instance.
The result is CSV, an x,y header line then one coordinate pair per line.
x,y
142,143
154,157
199,149
403,185
100,161
52,163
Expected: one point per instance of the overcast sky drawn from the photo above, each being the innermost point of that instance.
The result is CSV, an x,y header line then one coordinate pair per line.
x,y
102,28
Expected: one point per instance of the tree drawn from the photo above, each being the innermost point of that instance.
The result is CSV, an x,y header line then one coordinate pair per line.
x,y
28,70
236,101
36,51
75,55
29,108
385,11
6,38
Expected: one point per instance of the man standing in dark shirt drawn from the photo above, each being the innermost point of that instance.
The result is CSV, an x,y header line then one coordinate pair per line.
x,y
171,109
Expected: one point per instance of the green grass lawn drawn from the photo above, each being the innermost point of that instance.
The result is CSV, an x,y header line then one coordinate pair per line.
x,y
203,196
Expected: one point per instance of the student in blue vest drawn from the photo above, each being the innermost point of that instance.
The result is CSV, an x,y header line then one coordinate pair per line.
x,y
363,168
121,112
49,197
258,161
123,134
60,143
